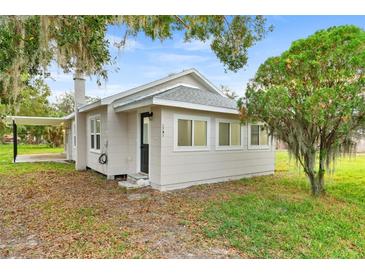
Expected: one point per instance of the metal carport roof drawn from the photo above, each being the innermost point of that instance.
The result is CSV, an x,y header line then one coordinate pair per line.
x,y
35,121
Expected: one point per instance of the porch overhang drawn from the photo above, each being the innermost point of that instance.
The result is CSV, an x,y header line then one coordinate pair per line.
x,y
172,103
35,121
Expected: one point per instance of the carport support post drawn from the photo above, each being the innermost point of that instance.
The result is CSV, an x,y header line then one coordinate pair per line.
x,y
15,141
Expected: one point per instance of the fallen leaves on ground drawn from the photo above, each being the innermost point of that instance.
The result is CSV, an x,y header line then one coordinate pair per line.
x,y
51,214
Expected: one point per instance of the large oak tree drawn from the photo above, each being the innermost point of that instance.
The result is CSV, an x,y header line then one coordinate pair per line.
x,y
79,44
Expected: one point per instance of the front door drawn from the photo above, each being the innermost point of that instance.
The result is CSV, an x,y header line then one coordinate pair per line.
x,y
145,120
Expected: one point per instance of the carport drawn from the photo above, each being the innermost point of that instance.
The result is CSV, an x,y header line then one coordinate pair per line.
x,y
34,121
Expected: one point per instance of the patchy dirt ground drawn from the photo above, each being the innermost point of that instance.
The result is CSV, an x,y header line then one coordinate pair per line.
x,y
68,214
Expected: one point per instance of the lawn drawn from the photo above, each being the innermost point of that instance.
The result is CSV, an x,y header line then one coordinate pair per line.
x,y
51,211
279,219
6,157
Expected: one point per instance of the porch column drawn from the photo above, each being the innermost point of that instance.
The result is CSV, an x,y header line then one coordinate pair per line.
x,y
15,141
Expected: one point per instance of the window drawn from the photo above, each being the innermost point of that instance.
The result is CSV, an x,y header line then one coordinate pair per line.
x,y
192,133
73,134
95,129
200,133
255,136
145,137
224,134
259,136
229,133
235,134
184,133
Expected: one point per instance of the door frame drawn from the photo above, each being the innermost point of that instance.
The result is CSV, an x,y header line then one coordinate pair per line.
x,y
140,117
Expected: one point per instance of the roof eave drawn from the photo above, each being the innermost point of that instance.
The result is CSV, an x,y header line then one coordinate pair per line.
x,y
133,105
179,104
90,106
172,103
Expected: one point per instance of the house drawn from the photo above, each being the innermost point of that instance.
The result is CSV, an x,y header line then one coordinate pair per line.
x,y
173,133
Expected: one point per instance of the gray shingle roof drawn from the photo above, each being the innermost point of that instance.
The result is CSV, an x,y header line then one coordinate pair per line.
x,y
196,96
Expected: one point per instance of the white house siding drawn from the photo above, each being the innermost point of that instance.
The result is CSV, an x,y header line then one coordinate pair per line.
x,y
132,130
68,147
117,130
72,147
181,169
92,158
155,147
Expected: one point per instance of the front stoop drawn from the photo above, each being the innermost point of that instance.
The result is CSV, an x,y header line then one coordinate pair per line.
x,y
136,180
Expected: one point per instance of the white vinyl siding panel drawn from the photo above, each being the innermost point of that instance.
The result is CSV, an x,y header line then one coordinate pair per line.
x,y
155,147
182,168
92,155
117,125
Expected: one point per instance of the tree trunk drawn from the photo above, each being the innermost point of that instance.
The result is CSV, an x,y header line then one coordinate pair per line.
x,y
317,184
316,179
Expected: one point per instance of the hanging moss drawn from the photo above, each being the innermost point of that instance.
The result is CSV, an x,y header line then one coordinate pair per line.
x,y
312,98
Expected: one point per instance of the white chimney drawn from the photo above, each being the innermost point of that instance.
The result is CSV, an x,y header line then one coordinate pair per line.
x,y
79,89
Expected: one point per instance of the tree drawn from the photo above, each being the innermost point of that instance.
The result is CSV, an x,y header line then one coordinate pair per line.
x,y
65,103
312,97
228,92
33,101
79,43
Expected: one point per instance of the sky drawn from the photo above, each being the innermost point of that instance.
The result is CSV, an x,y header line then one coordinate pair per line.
x,y
143,60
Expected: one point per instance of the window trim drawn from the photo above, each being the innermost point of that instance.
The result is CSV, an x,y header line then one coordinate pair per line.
x,y
192,147
260,147
229,147
94,117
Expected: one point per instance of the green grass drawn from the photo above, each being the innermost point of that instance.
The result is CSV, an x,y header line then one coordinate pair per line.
x,y
274,217
6,157
279,218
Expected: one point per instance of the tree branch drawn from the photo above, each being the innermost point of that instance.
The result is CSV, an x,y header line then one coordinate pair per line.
x,y
181,21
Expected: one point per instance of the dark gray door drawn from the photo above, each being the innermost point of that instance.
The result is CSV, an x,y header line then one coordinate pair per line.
x,y
145,120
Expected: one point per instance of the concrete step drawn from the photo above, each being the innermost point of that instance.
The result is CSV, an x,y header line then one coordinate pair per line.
x,y
137,176
128,184
136,180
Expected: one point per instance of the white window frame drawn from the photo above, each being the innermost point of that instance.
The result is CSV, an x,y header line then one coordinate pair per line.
x,y
229,147
262,147
192,147
74,137
94,117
